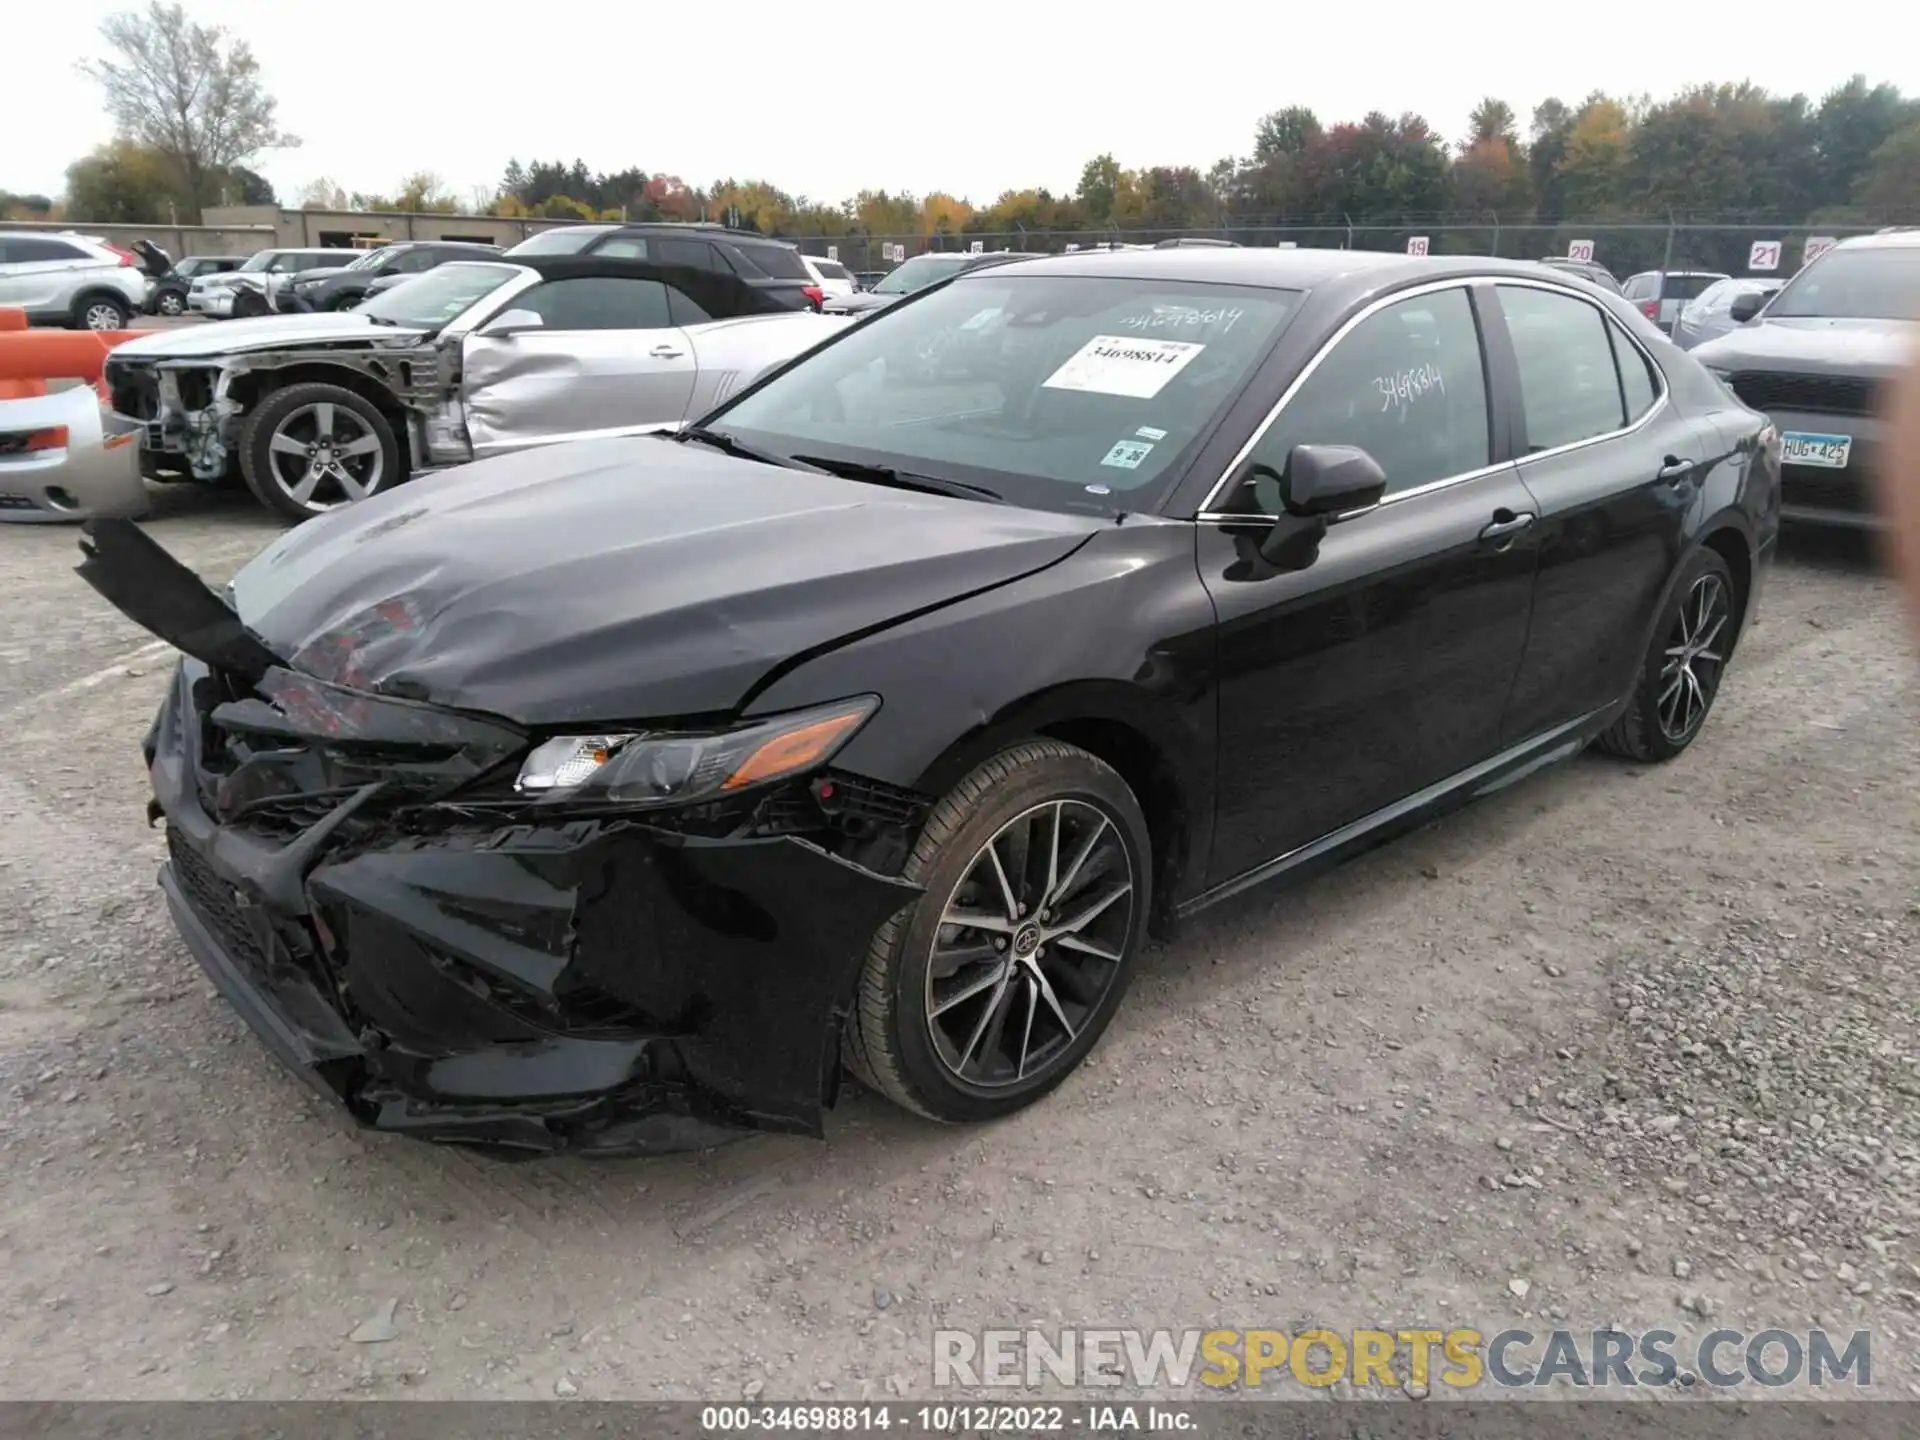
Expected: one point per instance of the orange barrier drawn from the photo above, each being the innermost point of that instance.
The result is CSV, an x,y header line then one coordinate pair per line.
x,y
30,358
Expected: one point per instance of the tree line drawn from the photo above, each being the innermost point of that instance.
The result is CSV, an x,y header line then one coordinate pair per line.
x,y
191,109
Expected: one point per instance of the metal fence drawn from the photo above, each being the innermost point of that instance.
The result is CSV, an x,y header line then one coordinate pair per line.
x,y
1624,248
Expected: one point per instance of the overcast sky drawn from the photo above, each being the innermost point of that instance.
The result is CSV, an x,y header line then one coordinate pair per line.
x,y
898,96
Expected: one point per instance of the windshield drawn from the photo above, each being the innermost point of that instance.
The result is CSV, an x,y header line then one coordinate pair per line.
x,y
567,240
920,272
430,300
370,259
1882,283
260,261
1057,391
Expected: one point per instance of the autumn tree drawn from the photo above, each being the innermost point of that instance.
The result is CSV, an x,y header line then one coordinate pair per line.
x,y
120,183
189,92
1592,173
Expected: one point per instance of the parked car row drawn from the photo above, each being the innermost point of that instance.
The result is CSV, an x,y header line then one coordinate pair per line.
x,y
612,796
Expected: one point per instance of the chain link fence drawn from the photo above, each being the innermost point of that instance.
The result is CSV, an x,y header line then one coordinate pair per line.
x,y
1625,248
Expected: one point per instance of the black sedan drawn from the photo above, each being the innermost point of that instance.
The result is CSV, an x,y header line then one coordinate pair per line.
x,y
347,286
611,796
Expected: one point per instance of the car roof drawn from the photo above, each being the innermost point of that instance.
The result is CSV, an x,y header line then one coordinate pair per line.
x,y
1270,268
720,295
1903,238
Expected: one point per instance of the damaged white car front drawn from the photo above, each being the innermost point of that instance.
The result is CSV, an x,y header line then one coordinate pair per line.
x,y
463,362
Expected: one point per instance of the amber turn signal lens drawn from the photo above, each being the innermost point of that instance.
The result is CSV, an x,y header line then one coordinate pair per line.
x,y
795,750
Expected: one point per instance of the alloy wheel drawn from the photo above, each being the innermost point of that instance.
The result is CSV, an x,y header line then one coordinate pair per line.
x,y
101,316
1695,657
324,455
1029,944
171,304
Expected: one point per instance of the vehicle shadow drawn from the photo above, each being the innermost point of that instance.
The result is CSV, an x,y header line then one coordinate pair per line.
x,y
1828,548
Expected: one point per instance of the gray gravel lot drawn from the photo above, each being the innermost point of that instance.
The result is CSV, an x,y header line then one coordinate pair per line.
x,y
1620,1045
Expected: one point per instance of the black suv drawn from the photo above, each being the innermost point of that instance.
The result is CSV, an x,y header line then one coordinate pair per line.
x,y
346,286
770,266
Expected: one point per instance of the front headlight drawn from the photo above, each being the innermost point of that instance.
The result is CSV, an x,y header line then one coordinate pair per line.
x,y
662,768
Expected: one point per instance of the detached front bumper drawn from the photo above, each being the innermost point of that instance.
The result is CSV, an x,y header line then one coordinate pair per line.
x,y
593,985
64,457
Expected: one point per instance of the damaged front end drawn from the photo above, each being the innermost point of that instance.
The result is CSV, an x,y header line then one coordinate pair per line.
x,y
364,879
192,409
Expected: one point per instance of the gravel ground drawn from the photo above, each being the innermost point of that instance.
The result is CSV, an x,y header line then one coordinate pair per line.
x,y
1622,1044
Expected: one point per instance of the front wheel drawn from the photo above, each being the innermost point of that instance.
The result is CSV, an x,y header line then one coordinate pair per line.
x,y
247,304
989,990
170,302
309,449
1681,674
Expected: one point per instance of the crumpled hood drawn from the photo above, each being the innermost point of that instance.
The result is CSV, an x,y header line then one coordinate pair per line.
x,y
627,579
267,332
1809,346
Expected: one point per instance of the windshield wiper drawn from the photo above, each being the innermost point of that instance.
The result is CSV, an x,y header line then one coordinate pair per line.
x,y
739,449
901,479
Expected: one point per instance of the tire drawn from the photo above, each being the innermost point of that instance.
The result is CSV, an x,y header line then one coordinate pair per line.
x,y
343,302
247,304
895,1044
343,434
98,311
170,303
1660,721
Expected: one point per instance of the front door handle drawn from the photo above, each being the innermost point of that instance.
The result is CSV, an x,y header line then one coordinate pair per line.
x,y
1505,525
1674,470
665,352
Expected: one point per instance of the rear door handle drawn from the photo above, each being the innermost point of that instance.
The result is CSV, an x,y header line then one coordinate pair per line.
x,y
1506,524
1675,470
665,352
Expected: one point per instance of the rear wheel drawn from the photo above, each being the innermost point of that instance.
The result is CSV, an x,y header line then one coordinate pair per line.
x,y
993,987
1680,677
101,312
309,449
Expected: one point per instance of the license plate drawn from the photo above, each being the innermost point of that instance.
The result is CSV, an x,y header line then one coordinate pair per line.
x,y
1829,452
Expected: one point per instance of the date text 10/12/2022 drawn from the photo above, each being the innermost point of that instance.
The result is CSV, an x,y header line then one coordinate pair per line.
x,y
1035,1419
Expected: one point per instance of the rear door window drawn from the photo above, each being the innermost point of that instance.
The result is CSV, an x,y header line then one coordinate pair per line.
x,y
695,253
1569,384
623,247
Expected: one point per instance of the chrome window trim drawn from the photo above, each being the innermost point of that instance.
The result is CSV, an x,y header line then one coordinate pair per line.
x,y
1206,514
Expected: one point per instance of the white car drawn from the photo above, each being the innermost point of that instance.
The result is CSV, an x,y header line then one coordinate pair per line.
x,y
831,276
60,278
249,290
469,360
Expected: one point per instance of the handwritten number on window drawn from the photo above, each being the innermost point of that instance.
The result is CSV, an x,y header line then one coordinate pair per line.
x,y
1405,389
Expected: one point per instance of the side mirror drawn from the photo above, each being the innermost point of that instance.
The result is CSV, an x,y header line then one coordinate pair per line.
x,y
1330,479
509,323
1745,306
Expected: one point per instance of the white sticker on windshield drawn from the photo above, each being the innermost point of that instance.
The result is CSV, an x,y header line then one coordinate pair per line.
x,y
1127,454
982,319
1124,365
1147,432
